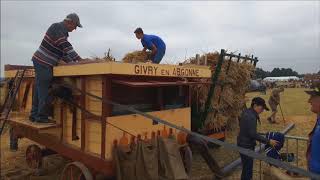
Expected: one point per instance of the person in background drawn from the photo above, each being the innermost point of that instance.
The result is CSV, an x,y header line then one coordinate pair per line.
x,y
248,134
274,101
153,43
313,150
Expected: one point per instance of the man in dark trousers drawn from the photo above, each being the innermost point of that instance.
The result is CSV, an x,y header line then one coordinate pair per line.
x,y
152,42
53,48
248,134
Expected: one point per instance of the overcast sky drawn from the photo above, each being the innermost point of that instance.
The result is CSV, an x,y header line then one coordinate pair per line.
x,y
280,34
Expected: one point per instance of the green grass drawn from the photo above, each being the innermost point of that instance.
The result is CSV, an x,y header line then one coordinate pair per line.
x,y
294,102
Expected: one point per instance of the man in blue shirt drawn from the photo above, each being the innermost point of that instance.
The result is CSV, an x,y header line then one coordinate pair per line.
x,y
313,155
153,43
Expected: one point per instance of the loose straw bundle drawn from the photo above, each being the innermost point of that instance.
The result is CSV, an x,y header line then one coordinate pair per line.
x,y
136,56
232,96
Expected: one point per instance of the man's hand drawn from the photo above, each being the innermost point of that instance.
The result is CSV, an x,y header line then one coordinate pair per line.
x,y
61,62
273,142
144,49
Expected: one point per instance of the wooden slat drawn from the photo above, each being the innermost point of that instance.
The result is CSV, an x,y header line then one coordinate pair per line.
x,y
74,124
83,123
155,83
106,87
36,126
61,120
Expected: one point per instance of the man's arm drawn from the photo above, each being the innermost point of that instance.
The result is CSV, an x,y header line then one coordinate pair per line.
x,y
70,54
154,49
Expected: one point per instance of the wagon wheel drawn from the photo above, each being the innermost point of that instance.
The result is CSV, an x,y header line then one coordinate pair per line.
x,y
33,156
76,171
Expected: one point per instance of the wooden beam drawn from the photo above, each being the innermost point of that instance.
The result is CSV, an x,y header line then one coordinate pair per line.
x,y
74,124
61,120
188,96
83,115
106,112
160,98
198,59
97,164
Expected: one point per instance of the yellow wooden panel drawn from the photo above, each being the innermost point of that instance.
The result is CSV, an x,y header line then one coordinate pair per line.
x,y
67,129
136,124
56,111
94,83
93,137
21,93
82,69
29,99
145,69
94,106
68,138
12,73
95,92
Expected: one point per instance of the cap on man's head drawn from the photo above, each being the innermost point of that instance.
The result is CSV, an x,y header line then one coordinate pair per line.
x,y
260,102
316,90
75,18
138,30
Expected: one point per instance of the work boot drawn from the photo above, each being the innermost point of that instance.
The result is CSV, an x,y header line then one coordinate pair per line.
x,y
44,121
32,119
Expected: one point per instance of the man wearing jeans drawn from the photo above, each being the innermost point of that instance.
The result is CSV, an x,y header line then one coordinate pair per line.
x,y
54,47
154,43
248,134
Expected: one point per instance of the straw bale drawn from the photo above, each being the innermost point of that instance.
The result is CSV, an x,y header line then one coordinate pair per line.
x,y
229,96
136,56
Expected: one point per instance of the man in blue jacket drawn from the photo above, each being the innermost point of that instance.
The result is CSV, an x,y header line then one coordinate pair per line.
x,y
313,155
248,134
153,43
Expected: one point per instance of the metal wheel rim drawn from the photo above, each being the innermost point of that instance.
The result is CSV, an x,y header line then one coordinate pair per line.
x,y
70,168
33,156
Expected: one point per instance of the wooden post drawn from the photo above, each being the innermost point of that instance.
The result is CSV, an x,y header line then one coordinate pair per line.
x,y
198,59
83,115
205,59
74,124
106,111
187,95
61,120
255,61
160,98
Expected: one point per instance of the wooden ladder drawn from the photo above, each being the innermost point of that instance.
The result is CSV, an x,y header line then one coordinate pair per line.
x,y
10,98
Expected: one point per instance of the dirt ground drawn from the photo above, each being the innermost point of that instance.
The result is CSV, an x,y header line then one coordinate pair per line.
x,y
295,109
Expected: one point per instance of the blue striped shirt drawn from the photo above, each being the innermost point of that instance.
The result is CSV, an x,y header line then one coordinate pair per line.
x,y
55,46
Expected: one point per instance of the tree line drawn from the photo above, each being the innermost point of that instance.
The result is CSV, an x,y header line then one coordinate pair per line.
x,y
276,72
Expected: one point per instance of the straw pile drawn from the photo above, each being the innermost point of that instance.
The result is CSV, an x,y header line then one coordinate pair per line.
x,y
229,96
136,56
107,57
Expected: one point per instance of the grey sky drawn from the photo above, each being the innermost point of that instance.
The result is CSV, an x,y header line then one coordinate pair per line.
x,y
281,34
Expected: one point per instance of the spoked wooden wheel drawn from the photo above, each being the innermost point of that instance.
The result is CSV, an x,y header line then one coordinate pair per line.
x,y
33,156
76,171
